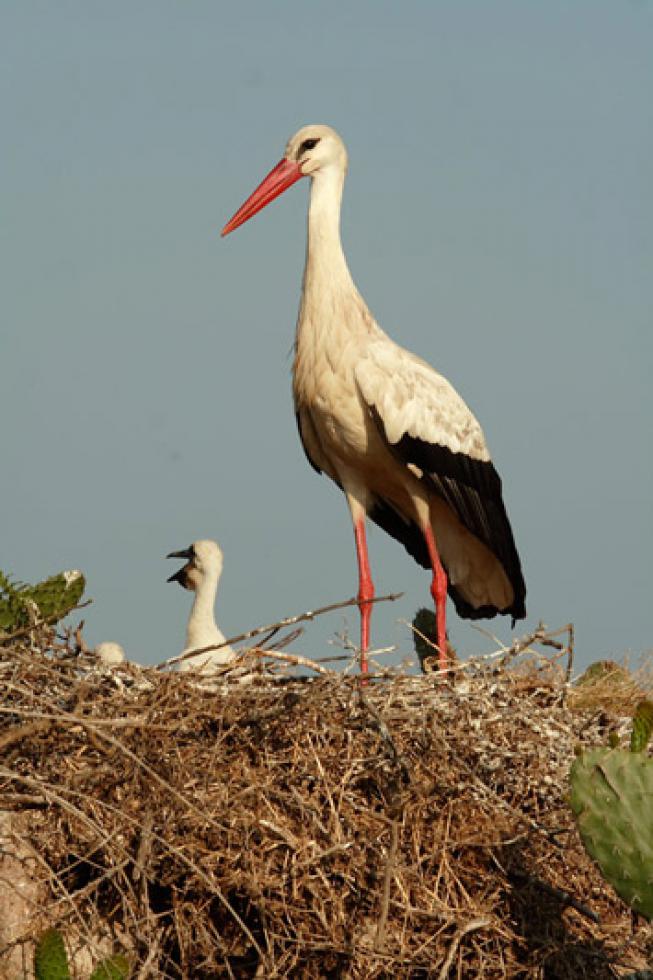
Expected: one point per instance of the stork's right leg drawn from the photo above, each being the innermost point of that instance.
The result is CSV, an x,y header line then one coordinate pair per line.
x,y
357,500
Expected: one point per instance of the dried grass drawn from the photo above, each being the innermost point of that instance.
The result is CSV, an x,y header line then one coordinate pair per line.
x,y
308,828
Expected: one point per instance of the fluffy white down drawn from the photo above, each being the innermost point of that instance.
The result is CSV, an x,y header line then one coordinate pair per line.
x,y
109,653
202,630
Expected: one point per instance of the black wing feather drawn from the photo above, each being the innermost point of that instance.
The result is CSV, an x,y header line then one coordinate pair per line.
x,y
472,488
409,534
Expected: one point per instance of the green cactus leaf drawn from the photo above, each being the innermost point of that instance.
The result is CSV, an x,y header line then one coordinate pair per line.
x,y
57,595
50,600
12,605
612,799
50,960
602,670
113,968
642,726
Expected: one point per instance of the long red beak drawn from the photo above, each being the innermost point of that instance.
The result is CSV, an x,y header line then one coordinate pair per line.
x,y
277,181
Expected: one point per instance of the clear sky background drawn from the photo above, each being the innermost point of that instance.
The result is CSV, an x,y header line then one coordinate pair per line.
x,y
498,219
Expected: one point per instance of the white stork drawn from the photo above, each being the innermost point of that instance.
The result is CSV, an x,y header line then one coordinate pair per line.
x,y
201,574
390,431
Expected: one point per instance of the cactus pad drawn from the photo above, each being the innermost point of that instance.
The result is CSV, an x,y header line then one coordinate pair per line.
x,y
50,960
612,798
642,726
50,600
603,670
115,968
57,595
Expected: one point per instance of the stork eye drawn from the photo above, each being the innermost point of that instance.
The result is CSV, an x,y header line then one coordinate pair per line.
x,y
308,145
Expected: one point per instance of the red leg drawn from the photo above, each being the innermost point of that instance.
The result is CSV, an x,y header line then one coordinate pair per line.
x,y
365,589
439,593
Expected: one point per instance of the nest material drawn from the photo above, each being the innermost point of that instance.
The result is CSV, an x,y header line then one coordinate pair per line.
x,y
306,828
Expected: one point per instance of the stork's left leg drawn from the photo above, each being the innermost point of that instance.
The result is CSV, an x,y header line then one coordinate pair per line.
x,y
357,500
439,593
365,589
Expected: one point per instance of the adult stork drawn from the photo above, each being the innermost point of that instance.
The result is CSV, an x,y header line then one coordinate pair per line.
x,y
390,431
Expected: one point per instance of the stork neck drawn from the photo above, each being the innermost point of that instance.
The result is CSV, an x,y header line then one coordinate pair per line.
x,y
326,265
201,624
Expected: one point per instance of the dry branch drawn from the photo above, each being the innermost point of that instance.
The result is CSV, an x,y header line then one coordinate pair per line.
x,y
273,628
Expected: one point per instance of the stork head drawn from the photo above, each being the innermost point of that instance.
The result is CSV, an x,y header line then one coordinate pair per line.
x,y
204,559
312,151
316,148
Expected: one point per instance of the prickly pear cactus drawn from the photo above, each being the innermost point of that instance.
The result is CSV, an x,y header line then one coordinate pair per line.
x,y
12,607
425,626
612,799
115,968
603,670
57,595
50,600
50,960
642,726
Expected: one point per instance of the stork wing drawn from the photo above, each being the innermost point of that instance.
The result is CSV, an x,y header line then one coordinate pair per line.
x,y
427,425
414,400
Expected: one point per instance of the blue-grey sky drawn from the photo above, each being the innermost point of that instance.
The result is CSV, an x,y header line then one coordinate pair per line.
x,y
498,219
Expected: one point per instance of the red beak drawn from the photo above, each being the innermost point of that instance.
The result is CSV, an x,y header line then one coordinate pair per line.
x,y
277,181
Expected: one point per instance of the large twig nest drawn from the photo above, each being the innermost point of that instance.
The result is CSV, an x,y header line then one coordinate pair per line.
x,y
305,828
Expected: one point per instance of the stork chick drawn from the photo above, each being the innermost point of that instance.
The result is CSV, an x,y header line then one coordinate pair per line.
x,y
109,653
201,574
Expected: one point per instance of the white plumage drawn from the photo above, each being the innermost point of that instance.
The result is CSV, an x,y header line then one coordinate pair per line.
x,y
388,429
109,653
413,399
201,574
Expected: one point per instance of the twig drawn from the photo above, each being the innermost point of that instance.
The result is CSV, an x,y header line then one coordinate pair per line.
x,y
472,926
379,942
384,732
45,720
39,624
490,792
288,621
290,658
565,897
95,726
283,640
570,647
49,793
20,732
